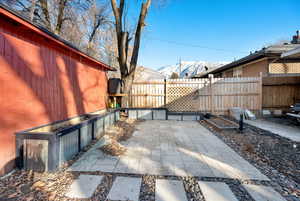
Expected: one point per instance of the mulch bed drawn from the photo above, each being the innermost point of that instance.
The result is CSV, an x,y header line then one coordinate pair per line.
x,y
275,156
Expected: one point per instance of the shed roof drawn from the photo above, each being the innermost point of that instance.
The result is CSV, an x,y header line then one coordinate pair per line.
x,y
40,30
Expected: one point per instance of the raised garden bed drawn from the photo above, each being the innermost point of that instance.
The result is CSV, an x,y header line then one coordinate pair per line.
x,y
162,114
222,123
48,147
147,113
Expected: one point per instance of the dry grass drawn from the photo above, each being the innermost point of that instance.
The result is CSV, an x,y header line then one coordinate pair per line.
x,y
121,131
113,149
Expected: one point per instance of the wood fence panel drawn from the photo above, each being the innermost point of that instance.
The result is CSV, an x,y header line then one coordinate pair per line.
x,y
214,95
280,92
148,94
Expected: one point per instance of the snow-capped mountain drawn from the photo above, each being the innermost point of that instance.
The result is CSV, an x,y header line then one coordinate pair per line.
x,y
189,67
147,74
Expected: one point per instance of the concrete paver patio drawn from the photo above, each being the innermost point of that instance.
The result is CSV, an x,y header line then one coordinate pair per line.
x,y
177,148
292,133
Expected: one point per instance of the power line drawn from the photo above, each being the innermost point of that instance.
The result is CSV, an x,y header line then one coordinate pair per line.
x,y
196,46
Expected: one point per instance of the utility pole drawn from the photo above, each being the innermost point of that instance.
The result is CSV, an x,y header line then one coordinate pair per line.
x,y
179,66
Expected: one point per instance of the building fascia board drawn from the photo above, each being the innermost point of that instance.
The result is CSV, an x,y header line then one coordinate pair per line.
x,y
51,36
292,53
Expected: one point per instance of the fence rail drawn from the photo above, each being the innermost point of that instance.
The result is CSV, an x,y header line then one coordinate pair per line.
x,y
214,95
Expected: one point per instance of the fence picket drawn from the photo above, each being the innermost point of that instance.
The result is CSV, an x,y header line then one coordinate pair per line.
x,y
215,95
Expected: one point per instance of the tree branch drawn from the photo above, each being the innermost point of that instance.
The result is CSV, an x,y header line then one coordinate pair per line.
x,y
45,10
137,38
60,17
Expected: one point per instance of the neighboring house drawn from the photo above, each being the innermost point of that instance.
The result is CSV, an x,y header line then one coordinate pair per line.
x,y
42,79
280,67
267,61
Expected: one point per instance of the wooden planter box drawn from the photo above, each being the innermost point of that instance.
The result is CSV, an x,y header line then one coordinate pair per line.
x,y
47,147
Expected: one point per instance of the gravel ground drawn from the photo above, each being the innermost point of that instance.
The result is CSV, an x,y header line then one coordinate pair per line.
x,y
275,156
147,192
192,189
27,185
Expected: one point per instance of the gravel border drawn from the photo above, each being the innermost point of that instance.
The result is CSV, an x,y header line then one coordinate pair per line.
x,y
192,189
282,184
147,191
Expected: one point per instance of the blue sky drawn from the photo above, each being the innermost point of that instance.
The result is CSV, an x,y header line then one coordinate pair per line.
x,y
235,26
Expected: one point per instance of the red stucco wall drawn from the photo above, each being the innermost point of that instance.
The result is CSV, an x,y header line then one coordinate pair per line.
x,y
41,82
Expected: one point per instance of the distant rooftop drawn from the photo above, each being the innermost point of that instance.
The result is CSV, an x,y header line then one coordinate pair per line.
x,y
270,51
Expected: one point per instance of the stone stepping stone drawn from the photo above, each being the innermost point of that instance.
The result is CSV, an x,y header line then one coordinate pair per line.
x,y
216,191
84,186
263,193
166,190
125,188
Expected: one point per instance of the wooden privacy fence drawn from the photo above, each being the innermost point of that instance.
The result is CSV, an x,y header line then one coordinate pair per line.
x,y
280,92
215,95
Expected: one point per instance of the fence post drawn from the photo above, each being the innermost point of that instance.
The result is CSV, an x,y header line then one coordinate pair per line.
x,y
260,88
211,76
165,92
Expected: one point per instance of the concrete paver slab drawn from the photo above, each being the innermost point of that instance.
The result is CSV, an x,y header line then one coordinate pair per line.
x,y
216,191
125,188
263,193
172,148
84,186
167,190
292,133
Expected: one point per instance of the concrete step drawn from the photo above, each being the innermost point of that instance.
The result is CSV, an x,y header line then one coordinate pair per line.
x,y
125,188
167,190
216,191
84,186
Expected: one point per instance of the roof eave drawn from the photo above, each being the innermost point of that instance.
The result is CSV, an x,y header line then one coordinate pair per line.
x,y
295,53
239,62
49,35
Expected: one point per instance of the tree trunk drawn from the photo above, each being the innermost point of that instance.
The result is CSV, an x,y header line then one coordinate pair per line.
x,y
128,70
127,85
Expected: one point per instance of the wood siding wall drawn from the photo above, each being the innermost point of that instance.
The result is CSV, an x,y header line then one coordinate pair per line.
x,y
280,92
252,69
41,82
214,95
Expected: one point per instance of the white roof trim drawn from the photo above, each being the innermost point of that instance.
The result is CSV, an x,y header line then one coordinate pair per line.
x,y
291,53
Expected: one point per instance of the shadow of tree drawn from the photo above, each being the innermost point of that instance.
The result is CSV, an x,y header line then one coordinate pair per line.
x,y
42,83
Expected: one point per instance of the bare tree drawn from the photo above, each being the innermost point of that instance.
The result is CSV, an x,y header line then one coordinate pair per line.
x,y
97,17
128,68
174,76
